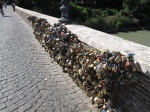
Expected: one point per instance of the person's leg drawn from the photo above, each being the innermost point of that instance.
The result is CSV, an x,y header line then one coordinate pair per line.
x,y
14,8
2,12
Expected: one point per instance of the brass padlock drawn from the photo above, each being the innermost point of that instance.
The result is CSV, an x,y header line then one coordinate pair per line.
x,y
104,91
113,67
128,75
118,58
109,67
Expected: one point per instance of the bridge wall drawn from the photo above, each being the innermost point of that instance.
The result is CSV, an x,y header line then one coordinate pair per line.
x,y
135,97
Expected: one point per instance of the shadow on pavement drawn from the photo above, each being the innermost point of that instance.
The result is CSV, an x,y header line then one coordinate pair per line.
x,y
6,16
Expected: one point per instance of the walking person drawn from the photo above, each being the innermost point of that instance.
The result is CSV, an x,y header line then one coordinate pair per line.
x,y
1,8
5,4
13,6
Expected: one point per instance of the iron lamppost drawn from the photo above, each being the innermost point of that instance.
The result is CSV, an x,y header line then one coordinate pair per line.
x,y
65,12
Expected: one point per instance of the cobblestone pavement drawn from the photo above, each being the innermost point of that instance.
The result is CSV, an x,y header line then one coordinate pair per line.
x,y
29,79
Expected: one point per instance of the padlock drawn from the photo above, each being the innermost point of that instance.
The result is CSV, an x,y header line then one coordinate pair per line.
x,y
118,58
127,64
103,51
111,59
128,75
99,68
113,67
134,66
101,94
131,56
104,90
109,67
104,65
102,83
133,79
99,57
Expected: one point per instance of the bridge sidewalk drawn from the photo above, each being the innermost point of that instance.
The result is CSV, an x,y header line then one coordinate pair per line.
x,y
29,79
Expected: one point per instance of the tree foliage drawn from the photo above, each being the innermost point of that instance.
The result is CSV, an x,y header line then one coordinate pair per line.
x,y
137,6
104,15
50,7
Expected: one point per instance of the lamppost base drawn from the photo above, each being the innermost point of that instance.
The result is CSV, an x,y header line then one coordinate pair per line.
x,y
65,20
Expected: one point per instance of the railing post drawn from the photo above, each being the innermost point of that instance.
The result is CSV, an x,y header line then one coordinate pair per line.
x,y
115,93
65,12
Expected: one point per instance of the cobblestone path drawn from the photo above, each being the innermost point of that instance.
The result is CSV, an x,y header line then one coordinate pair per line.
x,y
29,79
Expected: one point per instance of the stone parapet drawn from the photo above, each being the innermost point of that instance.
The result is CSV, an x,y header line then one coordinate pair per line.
x,y
99,40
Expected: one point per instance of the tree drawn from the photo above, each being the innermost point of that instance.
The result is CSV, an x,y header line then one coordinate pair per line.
x,y
137,7
50,7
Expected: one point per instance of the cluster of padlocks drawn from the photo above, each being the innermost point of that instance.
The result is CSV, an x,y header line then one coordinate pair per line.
x,y
92,70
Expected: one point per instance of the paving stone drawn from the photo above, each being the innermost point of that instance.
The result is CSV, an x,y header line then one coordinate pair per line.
x,y
49,92
3,100
57,109
5,94
42,109
11,91
12,96
1,95
8,103
51,98
15,100
77,89
22,96
77,109
21,103
64,109
86,100
38,96
94,110
57,103
64,93
83,96
5,110
13,107
54,84
57,96
74,102
64,103
71,91
28,106
86,110
21,109
36,91
79,100
33,109
27,98
49,109
70,109
83,106
74,95
2,106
